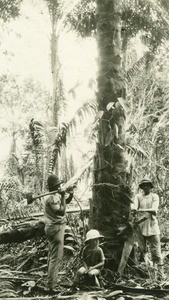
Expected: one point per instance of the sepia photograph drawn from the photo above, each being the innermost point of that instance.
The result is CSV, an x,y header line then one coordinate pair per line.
x,y
84,149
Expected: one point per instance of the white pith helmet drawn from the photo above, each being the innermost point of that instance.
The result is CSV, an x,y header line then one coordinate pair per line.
x,y
93,234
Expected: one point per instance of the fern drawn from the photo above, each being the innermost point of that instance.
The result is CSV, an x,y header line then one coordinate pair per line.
x,y
137,65
7,289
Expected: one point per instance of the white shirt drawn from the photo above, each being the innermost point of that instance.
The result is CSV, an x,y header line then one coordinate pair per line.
x,y
151,201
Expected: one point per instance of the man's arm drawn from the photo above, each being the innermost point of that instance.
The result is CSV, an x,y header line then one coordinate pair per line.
x,y
155,204
85,265
69,198
98,266
135,204
58,204
149,210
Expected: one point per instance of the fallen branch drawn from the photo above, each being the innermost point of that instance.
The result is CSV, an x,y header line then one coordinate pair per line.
x,y
31,228
137,290
28,298
22,232
68,211
15,278
33,216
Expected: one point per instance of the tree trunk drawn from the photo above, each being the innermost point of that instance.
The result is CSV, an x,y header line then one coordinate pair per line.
x,y
22,232
55,69
111,194
27,228
57,84
1,206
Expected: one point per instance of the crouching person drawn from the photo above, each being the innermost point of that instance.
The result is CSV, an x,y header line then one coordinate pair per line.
x,y
93,258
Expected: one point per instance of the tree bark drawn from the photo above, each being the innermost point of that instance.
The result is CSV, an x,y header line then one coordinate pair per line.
x,y
27,229
111,193
57,83
22,232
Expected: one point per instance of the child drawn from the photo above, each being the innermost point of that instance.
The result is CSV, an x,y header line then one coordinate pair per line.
x,y
93,258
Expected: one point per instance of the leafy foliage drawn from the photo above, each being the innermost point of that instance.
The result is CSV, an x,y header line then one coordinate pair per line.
x,y
144,17
9,9
83,18
53,6
36,129
20,102
148,121
88,108
7,288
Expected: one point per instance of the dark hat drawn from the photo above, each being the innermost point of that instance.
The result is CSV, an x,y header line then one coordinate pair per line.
x,y
53,182
145,182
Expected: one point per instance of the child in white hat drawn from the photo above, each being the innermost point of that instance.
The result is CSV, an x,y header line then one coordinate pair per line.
x,y
92,256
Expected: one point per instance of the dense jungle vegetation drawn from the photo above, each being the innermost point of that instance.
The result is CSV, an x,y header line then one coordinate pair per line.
x,y
84,91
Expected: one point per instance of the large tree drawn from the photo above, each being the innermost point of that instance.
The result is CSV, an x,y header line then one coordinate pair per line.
x,y
58,11
111,193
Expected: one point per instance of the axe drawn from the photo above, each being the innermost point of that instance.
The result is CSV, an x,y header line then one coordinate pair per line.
x,y
30,198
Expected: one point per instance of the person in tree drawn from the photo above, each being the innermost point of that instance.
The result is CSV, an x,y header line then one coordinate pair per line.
x,y
92,257
55,207
146,204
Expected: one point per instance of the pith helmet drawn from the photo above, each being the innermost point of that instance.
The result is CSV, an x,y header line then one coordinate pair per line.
x,y
147,182
93,234
53,182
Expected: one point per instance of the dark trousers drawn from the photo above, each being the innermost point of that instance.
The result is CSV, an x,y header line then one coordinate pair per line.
x,y
55,235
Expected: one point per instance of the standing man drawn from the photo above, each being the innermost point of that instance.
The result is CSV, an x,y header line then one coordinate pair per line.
x,y
55,208
146,204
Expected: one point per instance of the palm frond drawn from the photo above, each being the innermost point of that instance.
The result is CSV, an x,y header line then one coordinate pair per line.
x,y
37,132
79,175
145,17
87,110
147,124
161,10
136,150
7,289
138,64
83,18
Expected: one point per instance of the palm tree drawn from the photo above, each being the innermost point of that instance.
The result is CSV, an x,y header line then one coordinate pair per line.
x,y
111,193
58,11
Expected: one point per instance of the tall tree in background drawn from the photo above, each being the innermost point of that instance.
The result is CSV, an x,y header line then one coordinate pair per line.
x,y
54,8
58,11
111,194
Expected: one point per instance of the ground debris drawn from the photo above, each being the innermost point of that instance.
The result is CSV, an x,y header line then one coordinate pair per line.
x,y
113,294
25,276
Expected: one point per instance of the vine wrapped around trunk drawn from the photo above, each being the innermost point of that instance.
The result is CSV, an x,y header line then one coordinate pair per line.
x,y
111,194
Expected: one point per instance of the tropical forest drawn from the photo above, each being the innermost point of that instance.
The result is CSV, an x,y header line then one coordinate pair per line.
x,y
84,149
